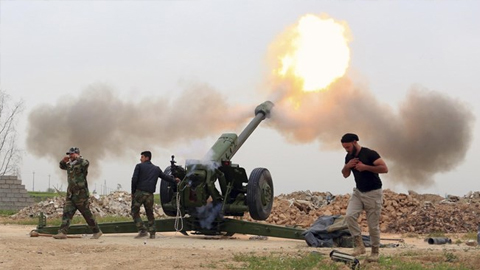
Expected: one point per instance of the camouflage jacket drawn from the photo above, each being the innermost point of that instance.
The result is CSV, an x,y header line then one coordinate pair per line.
x,y
77,171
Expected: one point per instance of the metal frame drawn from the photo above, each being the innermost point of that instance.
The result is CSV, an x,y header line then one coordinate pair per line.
x,y
226,226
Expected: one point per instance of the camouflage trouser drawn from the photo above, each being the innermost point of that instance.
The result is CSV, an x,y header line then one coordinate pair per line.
x,y
146,199
81,203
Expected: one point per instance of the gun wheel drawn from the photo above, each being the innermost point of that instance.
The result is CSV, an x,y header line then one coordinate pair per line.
x,y
167,190
260,194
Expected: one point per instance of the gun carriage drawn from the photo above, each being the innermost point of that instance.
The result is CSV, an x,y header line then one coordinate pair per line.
x,y
196,203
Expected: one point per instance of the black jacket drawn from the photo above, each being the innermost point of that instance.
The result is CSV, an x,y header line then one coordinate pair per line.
x,y
145,177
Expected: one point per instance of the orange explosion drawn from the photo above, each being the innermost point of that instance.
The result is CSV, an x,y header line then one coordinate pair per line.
x,y
313,54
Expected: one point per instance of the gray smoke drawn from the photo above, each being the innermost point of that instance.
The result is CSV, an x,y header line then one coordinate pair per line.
x,y
429,134
208,213
102,125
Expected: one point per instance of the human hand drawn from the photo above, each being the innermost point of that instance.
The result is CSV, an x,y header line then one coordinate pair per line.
x,y
353,162
66,158
177,180
360,166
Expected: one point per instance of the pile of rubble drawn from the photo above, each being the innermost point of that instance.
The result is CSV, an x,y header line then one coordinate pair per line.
x,y
401,213
115,204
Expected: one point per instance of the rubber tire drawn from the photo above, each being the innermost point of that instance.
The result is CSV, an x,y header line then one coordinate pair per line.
x,y
166,193
260,185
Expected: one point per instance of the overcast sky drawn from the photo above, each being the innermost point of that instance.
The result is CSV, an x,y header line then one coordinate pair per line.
x,y
173,68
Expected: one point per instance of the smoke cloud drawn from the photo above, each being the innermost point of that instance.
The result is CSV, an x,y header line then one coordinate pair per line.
x,y
102,125
429,134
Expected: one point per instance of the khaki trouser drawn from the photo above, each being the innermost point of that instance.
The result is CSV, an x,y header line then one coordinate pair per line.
x,y
371,202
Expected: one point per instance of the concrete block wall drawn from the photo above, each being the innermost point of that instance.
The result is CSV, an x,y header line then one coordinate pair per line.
x,y
13,195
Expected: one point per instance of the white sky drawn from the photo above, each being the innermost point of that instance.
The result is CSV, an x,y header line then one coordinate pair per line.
x,y
50,49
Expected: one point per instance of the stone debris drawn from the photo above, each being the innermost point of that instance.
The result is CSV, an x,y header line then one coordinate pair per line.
x,y
401,213
471,243
115,204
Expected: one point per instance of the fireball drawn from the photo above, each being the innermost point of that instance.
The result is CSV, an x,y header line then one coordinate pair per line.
x,y
314,53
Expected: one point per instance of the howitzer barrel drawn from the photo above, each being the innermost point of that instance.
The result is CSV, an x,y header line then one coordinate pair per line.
x,y
262,111
229,143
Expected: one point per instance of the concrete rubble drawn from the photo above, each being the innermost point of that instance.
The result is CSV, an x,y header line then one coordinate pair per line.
x,y
402,213
115,204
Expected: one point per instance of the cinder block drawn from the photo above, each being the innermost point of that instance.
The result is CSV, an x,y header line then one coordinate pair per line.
x,y
17,182
6,207
13,195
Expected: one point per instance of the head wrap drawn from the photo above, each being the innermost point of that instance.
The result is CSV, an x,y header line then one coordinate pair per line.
x,y
349,137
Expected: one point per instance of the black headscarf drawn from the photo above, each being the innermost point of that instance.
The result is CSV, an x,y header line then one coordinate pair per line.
x,y
349,137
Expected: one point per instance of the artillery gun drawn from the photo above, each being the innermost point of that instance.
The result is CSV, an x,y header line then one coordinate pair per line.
x,y
238,193
196,203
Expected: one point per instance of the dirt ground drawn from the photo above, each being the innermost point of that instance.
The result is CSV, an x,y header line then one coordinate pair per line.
x,y
168,251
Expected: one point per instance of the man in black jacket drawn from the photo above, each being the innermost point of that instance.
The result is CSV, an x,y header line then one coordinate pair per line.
x,y
144,183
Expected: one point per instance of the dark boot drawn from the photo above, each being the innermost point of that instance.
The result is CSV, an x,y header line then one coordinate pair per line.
x,y
152,235
359,247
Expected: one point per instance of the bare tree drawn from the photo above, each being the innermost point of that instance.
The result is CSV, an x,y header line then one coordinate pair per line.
x,y
9,154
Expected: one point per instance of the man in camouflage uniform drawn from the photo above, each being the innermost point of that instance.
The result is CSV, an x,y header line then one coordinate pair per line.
x,y
144,183
77,193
